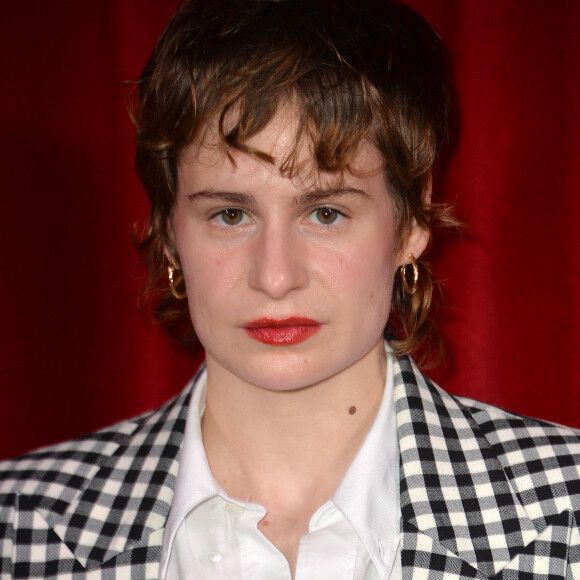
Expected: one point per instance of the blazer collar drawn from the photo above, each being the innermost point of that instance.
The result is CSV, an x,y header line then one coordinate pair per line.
x,y
456,501
457,505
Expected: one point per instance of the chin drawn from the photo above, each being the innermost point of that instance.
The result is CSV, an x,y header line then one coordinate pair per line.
x,y
286,373
290,373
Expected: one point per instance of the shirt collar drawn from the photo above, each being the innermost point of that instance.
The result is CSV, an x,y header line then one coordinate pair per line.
x,y
368,495
195,481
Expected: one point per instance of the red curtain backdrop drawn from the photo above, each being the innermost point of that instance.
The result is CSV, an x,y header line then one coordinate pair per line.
x,y
74,353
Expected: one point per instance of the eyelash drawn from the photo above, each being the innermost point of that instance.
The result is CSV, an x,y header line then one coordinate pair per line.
x,y
221,215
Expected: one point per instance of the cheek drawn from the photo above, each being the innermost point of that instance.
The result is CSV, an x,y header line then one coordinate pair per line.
x,y
211,279
370,276
361,279
365,265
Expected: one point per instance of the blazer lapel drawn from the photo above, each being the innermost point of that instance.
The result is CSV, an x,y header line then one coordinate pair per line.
x,y
121,503
460,517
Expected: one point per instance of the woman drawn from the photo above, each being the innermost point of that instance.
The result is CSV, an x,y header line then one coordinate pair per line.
x,y
287,149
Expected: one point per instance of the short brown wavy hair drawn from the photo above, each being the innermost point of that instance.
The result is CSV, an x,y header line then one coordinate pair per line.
x,y
354,70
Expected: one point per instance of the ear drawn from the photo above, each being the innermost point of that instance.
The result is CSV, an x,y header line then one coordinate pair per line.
x,y
416,243
170,249
170,255
418,236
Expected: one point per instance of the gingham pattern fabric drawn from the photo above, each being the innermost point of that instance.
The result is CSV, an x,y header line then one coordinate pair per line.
x,y
484,494
94,507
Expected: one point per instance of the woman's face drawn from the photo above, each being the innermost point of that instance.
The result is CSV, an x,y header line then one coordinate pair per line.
x,y
289,282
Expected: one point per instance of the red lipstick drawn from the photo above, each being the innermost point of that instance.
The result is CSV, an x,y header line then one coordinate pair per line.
x,y
282,331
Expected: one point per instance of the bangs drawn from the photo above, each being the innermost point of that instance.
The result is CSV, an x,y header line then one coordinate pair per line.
x,y
334,108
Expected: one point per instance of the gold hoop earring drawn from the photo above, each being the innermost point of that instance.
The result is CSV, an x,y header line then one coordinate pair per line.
x,y
410,289
170,271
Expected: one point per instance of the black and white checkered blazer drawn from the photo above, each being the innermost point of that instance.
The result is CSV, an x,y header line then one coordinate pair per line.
x,y
484,494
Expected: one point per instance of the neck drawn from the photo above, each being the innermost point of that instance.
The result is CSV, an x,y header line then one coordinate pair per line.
x,y
292,446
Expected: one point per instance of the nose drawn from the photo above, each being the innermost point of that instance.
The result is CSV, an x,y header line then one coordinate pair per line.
x,y
277,263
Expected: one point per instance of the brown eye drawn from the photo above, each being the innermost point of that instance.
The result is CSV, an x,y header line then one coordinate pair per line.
x,y
232,216
326,215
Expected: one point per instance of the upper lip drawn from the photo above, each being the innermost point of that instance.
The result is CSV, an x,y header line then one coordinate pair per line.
x,y
281,322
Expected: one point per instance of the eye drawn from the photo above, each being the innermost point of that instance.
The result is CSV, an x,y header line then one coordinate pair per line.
x,y
326,216
232,217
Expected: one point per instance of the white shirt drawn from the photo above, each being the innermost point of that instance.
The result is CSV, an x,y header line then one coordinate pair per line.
x,y
353,536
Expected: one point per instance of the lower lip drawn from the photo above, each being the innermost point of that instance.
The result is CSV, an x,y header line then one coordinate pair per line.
x,y
283,335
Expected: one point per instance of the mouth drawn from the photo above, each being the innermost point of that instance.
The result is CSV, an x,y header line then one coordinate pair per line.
x,y
283,331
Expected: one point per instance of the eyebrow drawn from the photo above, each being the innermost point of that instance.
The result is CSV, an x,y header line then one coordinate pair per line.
x,y
316,195
306,198
233,197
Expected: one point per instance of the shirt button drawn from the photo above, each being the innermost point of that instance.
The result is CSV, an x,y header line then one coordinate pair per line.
x,y
215,557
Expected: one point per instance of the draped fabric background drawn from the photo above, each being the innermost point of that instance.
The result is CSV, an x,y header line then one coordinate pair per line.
x,y
74,353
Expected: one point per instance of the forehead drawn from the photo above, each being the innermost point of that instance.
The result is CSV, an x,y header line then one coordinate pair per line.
x,y
283,147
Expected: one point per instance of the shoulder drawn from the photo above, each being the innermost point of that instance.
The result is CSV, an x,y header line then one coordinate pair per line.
x,y
507,432
539,459
52,477
66,464
91,483
527,445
